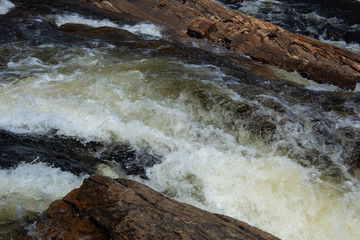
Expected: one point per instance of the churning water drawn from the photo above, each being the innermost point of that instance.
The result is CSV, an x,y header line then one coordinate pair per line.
x,y
143,28
5,6
333,21
280,156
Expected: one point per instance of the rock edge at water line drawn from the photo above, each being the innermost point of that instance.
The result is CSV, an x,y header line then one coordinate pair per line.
x,y
238,32
263,41
104,208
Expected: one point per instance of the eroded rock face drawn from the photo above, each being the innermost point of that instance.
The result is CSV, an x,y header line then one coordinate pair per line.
x,y
66,222
236,31
124,209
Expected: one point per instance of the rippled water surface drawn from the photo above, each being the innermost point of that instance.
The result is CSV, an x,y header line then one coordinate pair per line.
x,y
333,21
282,156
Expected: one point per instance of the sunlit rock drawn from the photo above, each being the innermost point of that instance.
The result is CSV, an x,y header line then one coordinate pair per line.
x,y
258,39
125,209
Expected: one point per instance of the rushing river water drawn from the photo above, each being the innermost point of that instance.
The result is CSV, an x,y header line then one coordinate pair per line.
x,y
333,21
280,156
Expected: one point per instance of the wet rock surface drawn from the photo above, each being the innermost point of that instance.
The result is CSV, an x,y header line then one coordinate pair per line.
x,y
66,222
16,230
334,20
70,154
236,31
124,209
273,45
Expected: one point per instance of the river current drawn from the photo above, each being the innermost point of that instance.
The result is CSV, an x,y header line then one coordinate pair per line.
x,y
280,155
334,21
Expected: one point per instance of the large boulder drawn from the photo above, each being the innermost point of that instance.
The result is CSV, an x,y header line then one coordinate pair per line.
x,y
205,19
236,31
104,208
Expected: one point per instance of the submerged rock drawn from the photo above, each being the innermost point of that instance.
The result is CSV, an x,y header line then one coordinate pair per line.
x,y
70,154
104,208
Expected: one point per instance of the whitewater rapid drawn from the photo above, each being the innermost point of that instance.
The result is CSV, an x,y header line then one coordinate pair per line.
x,y
144,28
5,6
181,112
304,18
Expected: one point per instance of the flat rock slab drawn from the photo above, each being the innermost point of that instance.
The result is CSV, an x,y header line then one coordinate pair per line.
x,y
105,208
263,41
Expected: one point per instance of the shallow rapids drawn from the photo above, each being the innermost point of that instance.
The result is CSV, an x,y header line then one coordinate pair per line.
x,y
334,21
269,153
5,6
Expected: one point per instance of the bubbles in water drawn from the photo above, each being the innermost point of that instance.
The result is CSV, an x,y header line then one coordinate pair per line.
x,y
143,28
309,84
227,145
5,6
78,19
354,47
268,191
31,187
326,23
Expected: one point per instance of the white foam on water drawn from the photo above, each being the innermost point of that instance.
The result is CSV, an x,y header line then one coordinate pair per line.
x,y
357,88
352,121
294,77
255,6
322,87
353,47
277,13
5,6
268,191
78,19
31,187
111,169
143,28
157,105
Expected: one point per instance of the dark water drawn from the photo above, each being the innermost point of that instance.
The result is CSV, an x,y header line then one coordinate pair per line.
x,y
337,21
193,124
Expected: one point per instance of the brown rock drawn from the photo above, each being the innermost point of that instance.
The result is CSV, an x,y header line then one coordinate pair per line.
x,y
173,47
62,221
200,27
125,209
260,40
107,33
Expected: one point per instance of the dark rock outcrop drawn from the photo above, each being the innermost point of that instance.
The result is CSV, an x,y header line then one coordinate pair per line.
x,y
236,31
104,208
273,45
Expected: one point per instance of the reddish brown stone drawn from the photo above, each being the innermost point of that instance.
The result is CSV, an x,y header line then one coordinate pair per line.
x,y
126,209
199,27
258,39
62,221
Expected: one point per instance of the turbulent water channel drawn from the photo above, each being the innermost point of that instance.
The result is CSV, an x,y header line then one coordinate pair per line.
x,y
333,21
278,155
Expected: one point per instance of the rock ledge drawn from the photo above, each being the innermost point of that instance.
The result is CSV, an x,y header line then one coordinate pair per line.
x,y
105,208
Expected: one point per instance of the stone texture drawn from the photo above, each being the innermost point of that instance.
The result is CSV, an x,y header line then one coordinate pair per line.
x,y
200,27
125,209
236,31
63,221
107,33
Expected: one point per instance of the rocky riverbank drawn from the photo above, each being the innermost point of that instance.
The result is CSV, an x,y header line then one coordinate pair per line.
x,y
238,32
105,208
260,40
